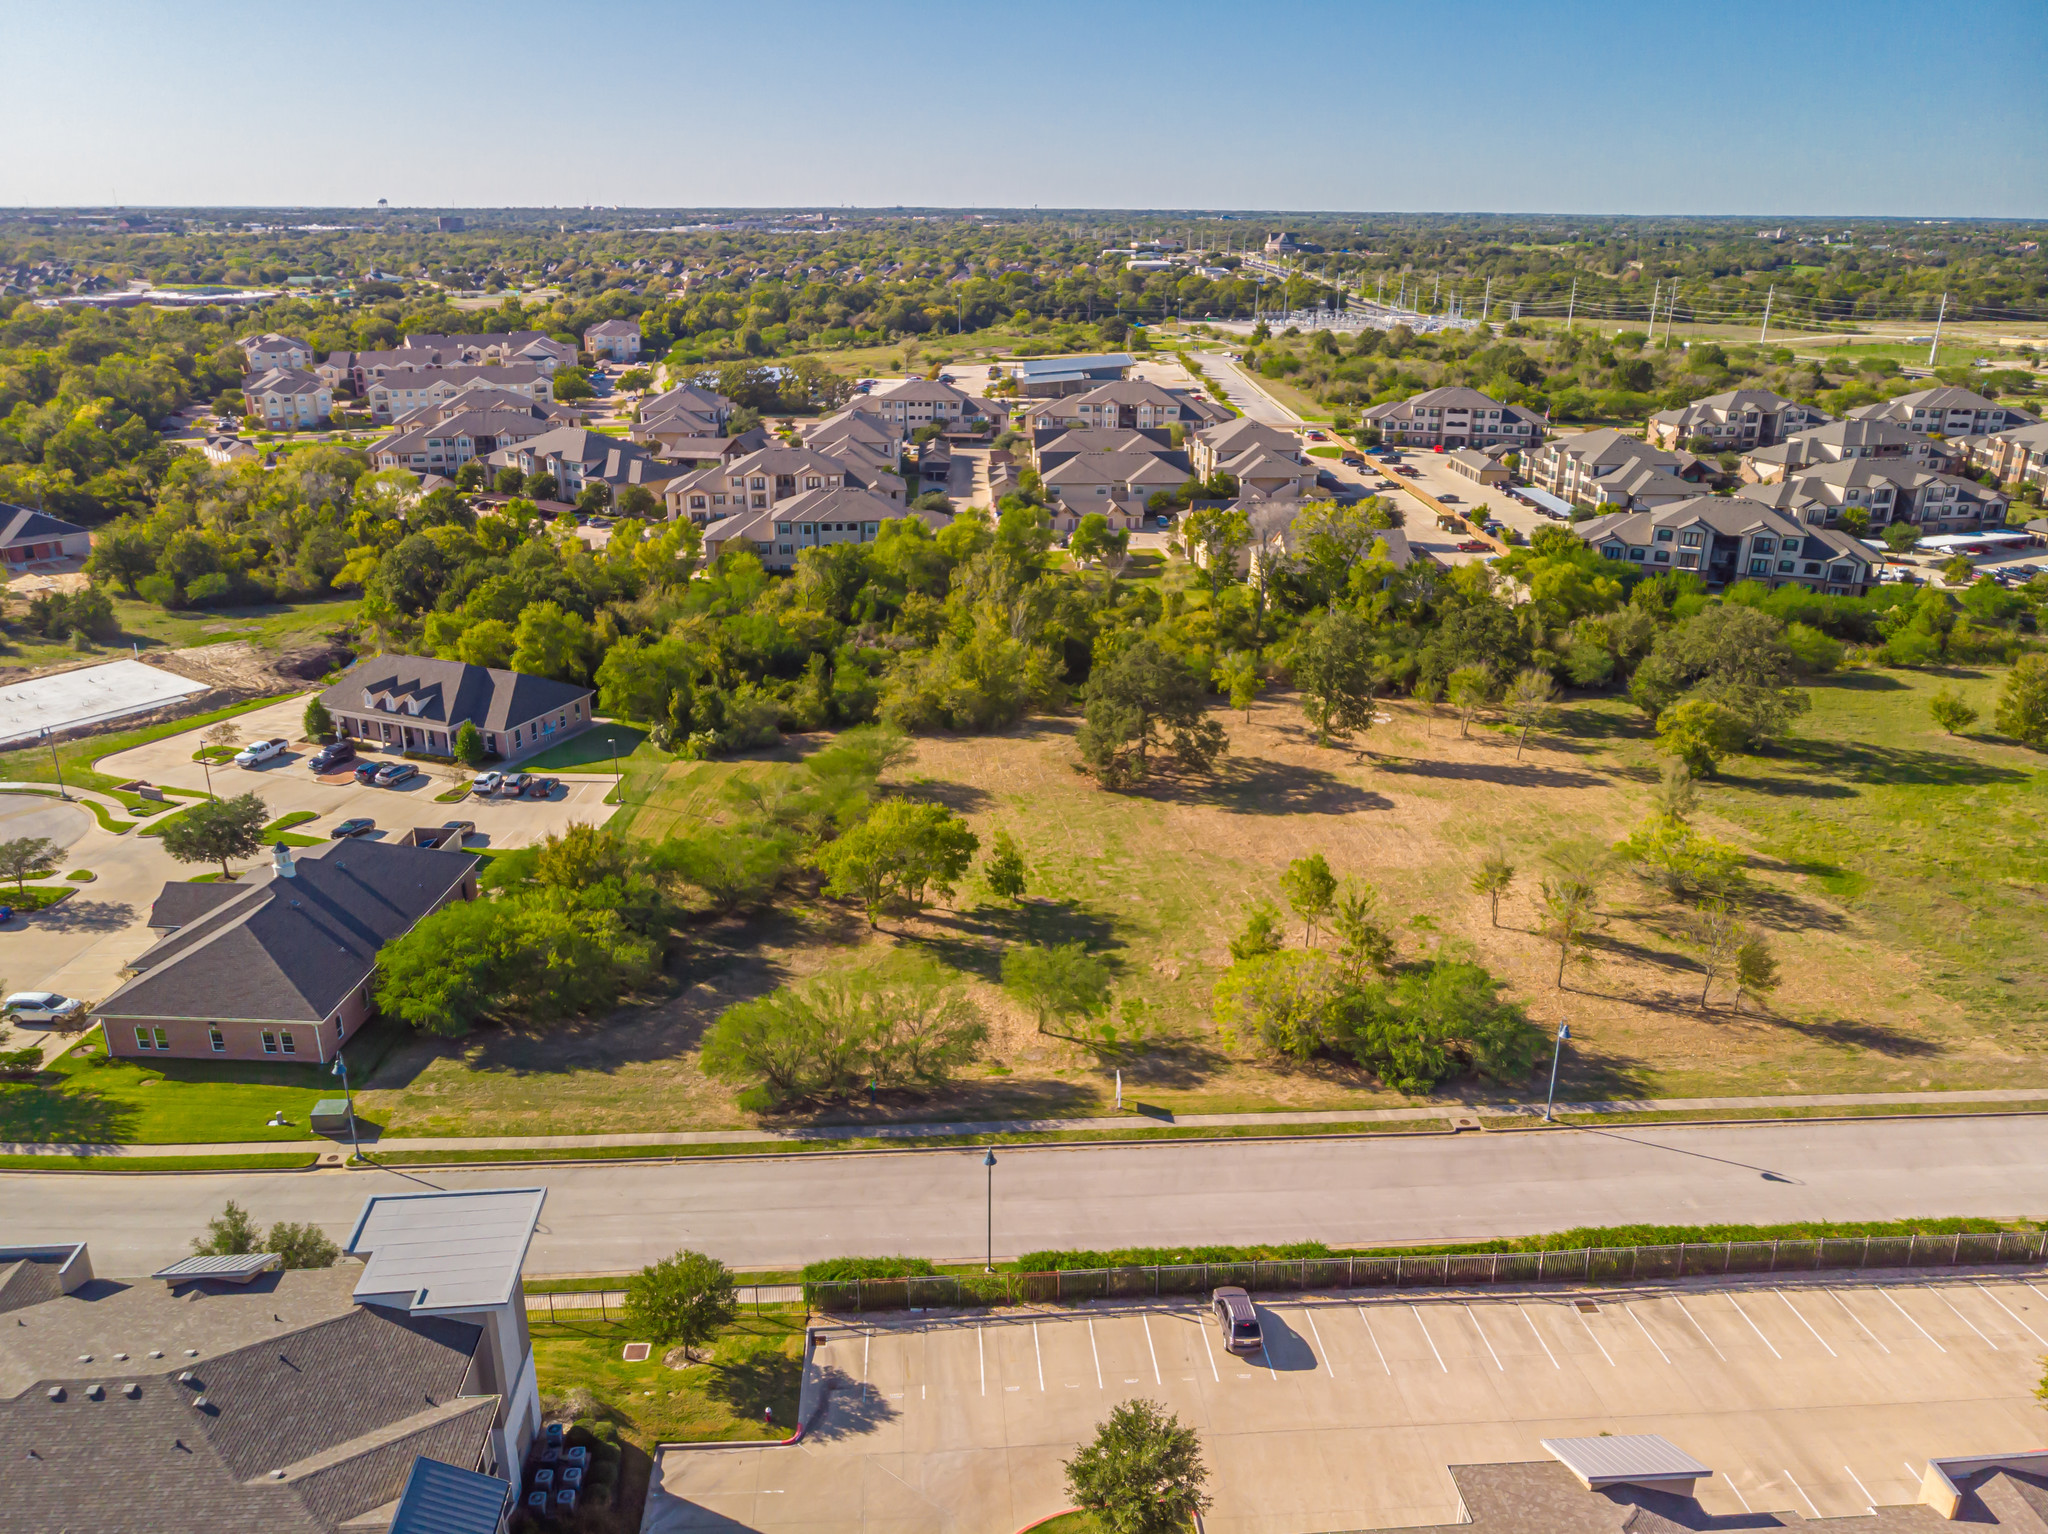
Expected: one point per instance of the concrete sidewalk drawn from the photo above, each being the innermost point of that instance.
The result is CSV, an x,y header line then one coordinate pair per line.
x,y
1160,1119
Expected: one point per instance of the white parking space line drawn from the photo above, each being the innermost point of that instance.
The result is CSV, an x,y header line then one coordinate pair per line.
x,y
1709,1341
1483,1338
866,1338
1869,1501
1038,1353
1429,1339
1206,1348
1646,1333
1146,1323
1759,1334
1267,1358
1317,1333
1539,1336
981,1360
1094,1353
1817,1337
1588,1325
1994,1299
1739,1497
2030,1286
1873,1336
1375,1340
1802,1492
1923,1331
1972,1325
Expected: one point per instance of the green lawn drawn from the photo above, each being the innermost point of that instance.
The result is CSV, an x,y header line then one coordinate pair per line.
x,y
270,626
595,749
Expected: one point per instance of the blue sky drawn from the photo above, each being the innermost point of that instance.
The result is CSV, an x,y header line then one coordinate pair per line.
x,y
1815,108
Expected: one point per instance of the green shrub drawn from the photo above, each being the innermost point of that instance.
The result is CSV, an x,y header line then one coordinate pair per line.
x,y
842,1270
1166,1256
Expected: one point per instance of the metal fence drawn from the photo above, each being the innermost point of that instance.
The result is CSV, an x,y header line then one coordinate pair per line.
x,y
609,1302
1612,1264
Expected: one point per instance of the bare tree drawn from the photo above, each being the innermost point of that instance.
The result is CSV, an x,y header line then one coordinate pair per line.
x,y
1470,689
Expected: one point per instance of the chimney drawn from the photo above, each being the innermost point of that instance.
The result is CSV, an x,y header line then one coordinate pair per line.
x,y
283,856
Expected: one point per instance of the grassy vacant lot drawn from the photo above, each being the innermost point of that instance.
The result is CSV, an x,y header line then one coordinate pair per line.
x,y
594,750
33,764
1899,873
274,625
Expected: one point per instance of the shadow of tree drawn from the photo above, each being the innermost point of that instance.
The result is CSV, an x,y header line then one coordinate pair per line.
x,y
1524,774
1867,761
1787,912
750,1386
1249,786
846,1408
43,1114
972,941
1858,1033
79,915
961,798
1785,788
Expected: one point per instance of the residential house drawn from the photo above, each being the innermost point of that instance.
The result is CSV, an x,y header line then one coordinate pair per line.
x,y
229,1395
2017,455
262,353
576,458
1734,422
615,340
1575,467
811,519
1115,484
400,392
28,536
1885,490
926,402
1948,411
1051,377
285,399
1455,417
281,967
226,450
1726,540
1839,441
410,703
773,475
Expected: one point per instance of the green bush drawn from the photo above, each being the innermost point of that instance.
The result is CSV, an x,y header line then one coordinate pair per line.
x,y
1166,1256
842,1270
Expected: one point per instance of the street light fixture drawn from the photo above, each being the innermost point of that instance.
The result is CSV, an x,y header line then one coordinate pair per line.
x,y
989,1161
355,1143
1564,1032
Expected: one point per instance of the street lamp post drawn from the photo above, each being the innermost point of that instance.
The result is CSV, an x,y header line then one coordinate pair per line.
x,y
355,1144
989,1161
57,764
1564,1031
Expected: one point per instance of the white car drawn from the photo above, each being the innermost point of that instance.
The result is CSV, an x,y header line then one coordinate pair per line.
x,y
486,783
261,751
42,1007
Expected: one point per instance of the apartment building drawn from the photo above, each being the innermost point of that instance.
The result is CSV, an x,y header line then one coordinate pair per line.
x,y
1213,449
403,392
500,348
1728,540
1455,417
1115,484
455,436
262,353
926,402
285,399
765,479
1733,422
1948,411
614,340
1839,441
1885,490
1132,405
416,703
812,519
1075,441
2017,455
578,458
1611,468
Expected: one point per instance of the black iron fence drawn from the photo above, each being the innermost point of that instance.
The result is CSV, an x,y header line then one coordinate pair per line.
x,y
1610,1264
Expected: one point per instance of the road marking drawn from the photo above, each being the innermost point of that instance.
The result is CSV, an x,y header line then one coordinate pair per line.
x,y
865,1339
1739,1497
1483,1338
1646,1333
1817,1337
1873,1336
1972,1325
1700,1329
1588,1325
1869,1501
1802,1491
1539,1337
1911,1474
1429,1339
1375,1340
1760,1337
981,1360
1267,1357
2030,1286
1150,1349
1094,1353
1206,1348
1038,1353
2013,1313
1923,1331
1310,1317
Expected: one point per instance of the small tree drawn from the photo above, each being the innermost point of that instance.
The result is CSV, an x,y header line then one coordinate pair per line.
x,y
27,855
1676,796
1469,690
1238,675
1495,878
1056,982
685,1298
1311,889
469,746
2023,702
1699,732
1569,900
224,736
1531,703
1756,967
1717,938
1429,695
1142,1473
1950,711
217,829
1362,942
231,1233
301,1246
1005,868
1261,934
317,720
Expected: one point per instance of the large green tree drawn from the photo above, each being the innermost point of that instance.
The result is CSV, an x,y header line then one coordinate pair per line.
x,y
1142,1473
1144,700
1332,662
216,830
684,1298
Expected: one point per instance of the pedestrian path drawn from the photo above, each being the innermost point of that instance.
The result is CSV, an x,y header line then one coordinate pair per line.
x,y
813,1134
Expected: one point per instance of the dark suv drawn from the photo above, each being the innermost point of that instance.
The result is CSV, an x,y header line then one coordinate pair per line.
x,y
1240,1322
327,758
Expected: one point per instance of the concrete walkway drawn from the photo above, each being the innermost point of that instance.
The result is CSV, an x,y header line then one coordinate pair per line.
x,y
834,1133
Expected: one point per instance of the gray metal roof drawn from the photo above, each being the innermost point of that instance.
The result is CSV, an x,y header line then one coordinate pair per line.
x,y
1038,369
1625,1458
443,1499
238,1269
445,1251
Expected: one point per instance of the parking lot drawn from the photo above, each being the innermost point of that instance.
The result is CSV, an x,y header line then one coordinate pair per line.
x,y
1822,1399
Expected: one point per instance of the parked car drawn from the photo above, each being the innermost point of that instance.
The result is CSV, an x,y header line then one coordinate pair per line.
x,y
1446,495
1317,436
539,788
1352,461
327,758
1438,448
367,771
462,829
1239,1320
1475,546
42,1007
513,784
391,774
486,783
355,825
6,914
261,751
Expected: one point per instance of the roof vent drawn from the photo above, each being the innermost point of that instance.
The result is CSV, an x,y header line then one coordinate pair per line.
x,y
95,1393
132,1391
282,856
85,1358
56,1392
186,1376
156,1352
191,1352
200,1403
123,1357
277,1475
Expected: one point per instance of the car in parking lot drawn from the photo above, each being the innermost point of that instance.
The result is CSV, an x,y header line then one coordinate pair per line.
x,y
463,829
327,758
513,784
1317,436
355,825
1474,546
486,783
42,1007
539,788
1445,495
1352,461
261,751
1238,1318
367,771
391,774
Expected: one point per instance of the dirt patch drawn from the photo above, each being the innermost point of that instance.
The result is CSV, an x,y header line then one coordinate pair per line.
x,y
241,667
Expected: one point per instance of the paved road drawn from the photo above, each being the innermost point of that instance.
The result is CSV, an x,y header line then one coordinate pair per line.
x,y
773,1211
1247,396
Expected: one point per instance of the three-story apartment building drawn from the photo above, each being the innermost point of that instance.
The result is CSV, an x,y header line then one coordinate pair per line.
x,y
1724,541
1455,417
1733,422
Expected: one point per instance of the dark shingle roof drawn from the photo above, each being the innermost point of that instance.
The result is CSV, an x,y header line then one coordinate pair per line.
x,y
20,522
30,1281
451,691
184,902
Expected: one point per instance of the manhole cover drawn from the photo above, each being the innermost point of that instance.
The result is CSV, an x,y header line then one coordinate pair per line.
x,y
636,1352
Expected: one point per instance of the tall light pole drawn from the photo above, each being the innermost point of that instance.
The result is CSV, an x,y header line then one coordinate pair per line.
x,y
355,1144
57,765
989,1161
1564,1031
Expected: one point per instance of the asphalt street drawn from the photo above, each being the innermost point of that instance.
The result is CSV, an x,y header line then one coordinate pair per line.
x,y
781,1210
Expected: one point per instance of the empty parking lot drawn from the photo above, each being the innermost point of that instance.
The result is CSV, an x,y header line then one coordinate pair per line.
x,y
1821,1399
